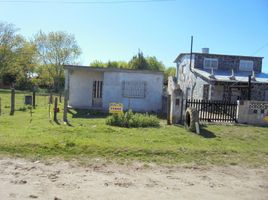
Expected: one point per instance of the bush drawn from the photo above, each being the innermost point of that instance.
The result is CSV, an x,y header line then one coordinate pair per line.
x,y
130,119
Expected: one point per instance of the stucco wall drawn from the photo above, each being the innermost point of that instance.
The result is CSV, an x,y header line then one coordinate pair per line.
x,y
253,112
80,87
186,79
112,91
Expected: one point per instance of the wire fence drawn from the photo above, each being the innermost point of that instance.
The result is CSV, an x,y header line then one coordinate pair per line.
x,y
41,100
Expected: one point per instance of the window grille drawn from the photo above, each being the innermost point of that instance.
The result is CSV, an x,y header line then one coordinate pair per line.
x,y
134,89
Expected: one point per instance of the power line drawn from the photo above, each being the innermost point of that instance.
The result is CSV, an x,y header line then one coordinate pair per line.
x,y
84,2
259,49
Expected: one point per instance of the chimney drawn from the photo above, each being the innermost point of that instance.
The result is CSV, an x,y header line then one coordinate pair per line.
x,y
205,50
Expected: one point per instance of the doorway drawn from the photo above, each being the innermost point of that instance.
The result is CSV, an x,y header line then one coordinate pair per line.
x,y
97,94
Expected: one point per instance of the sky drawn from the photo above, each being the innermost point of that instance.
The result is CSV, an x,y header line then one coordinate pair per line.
x,y
116,30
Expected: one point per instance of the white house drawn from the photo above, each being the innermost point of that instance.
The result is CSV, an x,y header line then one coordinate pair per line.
x,y
96,88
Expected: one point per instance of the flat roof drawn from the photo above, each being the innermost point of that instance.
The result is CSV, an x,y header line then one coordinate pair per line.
x,y
110,69
213,54
224,76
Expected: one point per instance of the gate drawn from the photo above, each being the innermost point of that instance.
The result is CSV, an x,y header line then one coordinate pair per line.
x,y
214,111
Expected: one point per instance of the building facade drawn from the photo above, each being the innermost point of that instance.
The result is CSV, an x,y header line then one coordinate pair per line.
x,y
221,77
96,88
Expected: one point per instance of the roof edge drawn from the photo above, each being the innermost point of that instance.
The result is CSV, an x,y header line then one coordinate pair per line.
x,y
110,69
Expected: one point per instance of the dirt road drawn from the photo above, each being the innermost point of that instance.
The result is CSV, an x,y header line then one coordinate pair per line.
x,y
54,179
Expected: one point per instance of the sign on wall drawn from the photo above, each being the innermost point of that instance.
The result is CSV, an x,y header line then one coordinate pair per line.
x,y
116,108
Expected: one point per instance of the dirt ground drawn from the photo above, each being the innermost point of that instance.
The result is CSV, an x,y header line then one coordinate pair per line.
x,y
55,179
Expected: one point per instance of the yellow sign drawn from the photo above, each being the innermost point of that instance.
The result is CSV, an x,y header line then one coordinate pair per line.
x,y
116,108
266,119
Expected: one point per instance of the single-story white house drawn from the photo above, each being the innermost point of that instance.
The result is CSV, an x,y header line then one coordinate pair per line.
x,y
96,88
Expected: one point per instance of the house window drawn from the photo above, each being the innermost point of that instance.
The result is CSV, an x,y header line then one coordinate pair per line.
x,y
210,63
134,89
246,65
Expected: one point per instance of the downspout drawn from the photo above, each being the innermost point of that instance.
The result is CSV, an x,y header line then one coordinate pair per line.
x,y
191,55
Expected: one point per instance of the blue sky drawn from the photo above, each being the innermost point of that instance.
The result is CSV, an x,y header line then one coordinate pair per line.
x,y
114,31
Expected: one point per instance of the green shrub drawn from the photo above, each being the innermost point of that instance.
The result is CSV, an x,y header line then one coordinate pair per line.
x,y
130,119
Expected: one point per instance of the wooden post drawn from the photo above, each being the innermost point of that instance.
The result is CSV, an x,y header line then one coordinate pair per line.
x,y
0,107
50,101
12,101
55,108
65,106
34,99
60,97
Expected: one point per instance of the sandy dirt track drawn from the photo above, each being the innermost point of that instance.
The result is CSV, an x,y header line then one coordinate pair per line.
x,y
55,179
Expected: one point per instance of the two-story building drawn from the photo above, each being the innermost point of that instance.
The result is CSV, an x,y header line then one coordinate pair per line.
x,y
221,77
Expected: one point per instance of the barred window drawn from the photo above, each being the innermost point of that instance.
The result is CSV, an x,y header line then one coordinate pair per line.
x,y
134,89
97,89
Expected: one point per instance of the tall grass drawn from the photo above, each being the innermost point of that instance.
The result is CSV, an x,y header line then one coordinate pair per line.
x,y
131,120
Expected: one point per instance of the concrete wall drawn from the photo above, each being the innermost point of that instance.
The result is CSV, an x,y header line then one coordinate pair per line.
x,y
112,91
253,112
80,87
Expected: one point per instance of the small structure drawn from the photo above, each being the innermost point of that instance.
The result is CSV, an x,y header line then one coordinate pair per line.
x,y
96,88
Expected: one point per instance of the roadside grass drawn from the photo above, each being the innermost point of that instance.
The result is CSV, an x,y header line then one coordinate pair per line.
x,y
89,137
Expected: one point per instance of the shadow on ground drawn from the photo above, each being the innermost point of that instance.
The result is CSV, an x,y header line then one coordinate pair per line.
x,y
81,113
206,133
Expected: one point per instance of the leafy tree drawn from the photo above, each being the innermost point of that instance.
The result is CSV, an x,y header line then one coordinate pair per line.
x,y
98,63
9,43
171,71
17,57
55,50
113,64
154,64
138,62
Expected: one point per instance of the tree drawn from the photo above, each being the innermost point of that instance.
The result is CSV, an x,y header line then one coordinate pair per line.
x,y
55,50
17,57
98,63
9,43
154,64
171,71
138,62
112,64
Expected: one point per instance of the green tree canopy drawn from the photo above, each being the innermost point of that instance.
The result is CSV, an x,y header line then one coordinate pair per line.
x,y
137,62
171,71
17,57
56,49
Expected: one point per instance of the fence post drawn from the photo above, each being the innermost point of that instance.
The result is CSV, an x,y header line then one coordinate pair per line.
x,y
12,101
55,109
65,106
34,99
